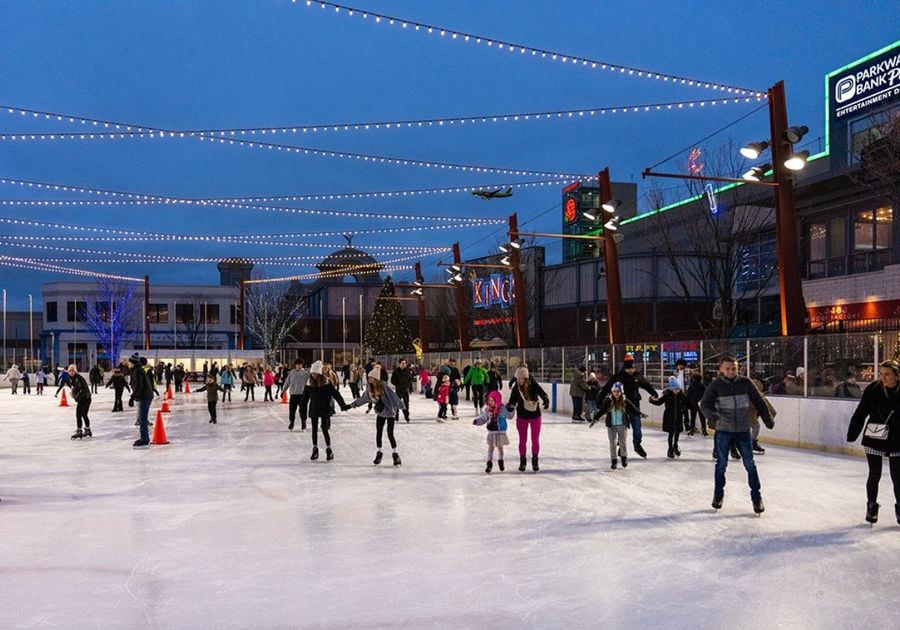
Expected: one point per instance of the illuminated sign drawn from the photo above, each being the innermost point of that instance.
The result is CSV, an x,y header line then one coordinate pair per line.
x,y
494,291
571,210
571,187
866,83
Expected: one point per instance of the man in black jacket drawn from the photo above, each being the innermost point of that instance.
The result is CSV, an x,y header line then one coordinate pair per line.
x,y
401,379
142,394
632,382
81,392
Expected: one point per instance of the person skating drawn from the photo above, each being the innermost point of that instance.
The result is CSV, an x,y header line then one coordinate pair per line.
x,y
442,396
453,398
402,380
695,395
248,383
577,390
494,418
676,406
754,417
477,377
632,383
387,405
615,408
40,379
876,419
683,376
320,391
13,375
212,397
96,378
178,376
425,382
494,381
118,385
26,382
726,404
81,394
268,379
61,381
295,386
142,392
523,399
226,380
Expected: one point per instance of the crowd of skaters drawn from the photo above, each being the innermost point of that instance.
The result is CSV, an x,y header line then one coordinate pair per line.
x,y
730,404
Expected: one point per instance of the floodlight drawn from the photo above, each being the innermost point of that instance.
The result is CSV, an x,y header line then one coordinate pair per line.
x,y
611,205
797,161
795,134
753,150
589,214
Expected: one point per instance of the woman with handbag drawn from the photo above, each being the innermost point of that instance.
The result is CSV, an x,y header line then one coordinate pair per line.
x,y
875,417
525,400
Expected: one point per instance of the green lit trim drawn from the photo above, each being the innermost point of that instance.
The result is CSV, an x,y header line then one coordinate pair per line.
x,y
831,74
811,158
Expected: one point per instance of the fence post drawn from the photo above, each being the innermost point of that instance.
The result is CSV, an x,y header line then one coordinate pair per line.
x,y
877,359
562,353
748,357
662,365
702,372
805,366
542,361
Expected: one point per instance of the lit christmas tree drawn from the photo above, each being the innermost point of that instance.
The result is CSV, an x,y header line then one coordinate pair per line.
x,y
387,332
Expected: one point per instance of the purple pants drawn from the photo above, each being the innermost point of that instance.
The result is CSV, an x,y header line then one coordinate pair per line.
x,y
522,426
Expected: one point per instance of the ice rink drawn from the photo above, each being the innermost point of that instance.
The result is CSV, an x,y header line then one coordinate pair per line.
x,y
231,526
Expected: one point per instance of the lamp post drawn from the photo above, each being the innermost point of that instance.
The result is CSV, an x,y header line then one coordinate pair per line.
x,y
462,318
423,324
4,330
146,313
30,329
344,329
360,327
611,258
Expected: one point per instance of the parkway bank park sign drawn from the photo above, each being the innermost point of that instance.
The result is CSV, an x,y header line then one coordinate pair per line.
x,y
865,83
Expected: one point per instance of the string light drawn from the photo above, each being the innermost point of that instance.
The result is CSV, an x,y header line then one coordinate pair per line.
x,y
369,268
309,197
304,150
35,265
165,259
153,133
510,48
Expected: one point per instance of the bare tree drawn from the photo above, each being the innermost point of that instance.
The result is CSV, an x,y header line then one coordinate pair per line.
x,y
440,311
191,328
272,313
878,156
706,245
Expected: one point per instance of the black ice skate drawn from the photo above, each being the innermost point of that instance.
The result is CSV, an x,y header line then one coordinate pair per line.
x,y
522,461
872,512
315,453
291,425
677,451
671,453
141,444
534,464
378,457
396,457
87,432
500,465
717,502
640,451
758,449
489,467
624,461
77,435
758,506
615,464
329,454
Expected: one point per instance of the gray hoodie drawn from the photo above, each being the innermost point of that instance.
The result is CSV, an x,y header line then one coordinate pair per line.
x,y
295,382
392,403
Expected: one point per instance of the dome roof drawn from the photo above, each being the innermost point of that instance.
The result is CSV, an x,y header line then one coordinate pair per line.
x,y
354,262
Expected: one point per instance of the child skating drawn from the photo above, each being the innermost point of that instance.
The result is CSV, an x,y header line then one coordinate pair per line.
x,y
494,417
614,407
212,396
676,406
442,397
320,390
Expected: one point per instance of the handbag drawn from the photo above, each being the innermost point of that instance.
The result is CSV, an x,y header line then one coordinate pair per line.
x,y
529,405
878,430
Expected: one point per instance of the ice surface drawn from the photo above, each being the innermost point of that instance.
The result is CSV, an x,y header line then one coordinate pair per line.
x,y
231,526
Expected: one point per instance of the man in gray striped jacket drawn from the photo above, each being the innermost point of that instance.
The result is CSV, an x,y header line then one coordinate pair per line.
x,y
726,403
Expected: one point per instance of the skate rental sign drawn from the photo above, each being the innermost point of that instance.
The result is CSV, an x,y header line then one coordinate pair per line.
x,y
496,290
865,83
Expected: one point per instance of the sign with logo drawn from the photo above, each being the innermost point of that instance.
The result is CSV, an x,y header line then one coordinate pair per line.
x,y
497,290
865,84
570,210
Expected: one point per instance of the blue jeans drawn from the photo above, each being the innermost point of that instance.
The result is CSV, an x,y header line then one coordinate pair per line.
x,y
143,407
724,440
634,419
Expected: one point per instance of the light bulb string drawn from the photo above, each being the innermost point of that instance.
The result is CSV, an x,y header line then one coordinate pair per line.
x,y
121,130
306,150
533,51
34,265
330,269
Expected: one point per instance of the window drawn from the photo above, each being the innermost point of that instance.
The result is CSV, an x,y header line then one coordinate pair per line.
x,y
72,311
872,229
52,314
158,314
184,313
867,131
827,247
209,313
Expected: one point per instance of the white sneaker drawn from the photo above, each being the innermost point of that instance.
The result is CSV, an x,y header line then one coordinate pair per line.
x,y
441,420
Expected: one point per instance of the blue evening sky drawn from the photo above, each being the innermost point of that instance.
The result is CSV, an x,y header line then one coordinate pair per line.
x,y
248,63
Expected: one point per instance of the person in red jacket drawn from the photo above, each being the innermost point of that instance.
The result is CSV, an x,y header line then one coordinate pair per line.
x,y
442,397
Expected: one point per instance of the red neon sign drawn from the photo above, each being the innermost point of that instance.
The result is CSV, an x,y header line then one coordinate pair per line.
x,y
571,210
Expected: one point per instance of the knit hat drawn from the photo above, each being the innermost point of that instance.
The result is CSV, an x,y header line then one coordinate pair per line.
x,y
135,358
628,362
445,378
522,372
316,368
375,373
673,383
618,387
497,397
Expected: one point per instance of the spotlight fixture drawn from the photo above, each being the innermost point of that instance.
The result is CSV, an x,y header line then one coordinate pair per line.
x,y
455,268
457,278
504,248
611,206
797,161
795,134
589,214
612,225
757,173
505,261
753,150
516,244
416,291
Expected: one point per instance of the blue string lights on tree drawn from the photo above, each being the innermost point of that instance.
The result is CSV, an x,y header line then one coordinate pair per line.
x,y
112,314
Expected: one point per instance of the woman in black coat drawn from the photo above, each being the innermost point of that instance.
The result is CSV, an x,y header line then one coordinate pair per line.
x,y
676,406
320,391
876,418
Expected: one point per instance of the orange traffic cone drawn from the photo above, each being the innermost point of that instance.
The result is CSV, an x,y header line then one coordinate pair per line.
x,y
62,401
284,398
159,431
169,395
187,387
165,407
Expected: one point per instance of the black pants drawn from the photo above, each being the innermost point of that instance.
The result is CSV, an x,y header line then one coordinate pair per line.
x,y
117,403
577,406
298,401
694,414
442,410
227,392
673,439
211,405
404,396
40,389
268,395
354,389
94,388
26,387
468,391
478,395
379,427
875,477
248,391
178,386
326,425
81,413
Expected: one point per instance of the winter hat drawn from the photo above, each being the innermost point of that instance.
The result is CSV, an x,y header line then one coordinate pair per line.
x,y
522,372
497,397
618,387
801,372
446,378
628,362
316,368
135,358
375,373
673,383
592,375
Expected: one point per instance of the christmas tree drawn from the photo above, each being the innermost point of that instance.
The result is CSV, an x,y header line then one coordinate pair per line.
x,y
387,332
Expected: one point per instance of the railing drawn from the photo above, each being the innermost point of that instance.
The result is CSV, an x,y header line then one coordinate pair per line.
x,y
837,365
860,262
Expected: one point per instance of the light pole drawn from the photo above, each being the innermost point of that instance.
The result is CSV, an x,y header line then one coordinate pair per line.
x,y
4,330
30,329
174,326
360,327
344,329
205,325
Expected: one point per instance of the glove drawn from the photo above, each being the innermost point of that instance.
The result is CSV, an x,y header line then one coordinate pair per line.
x,y
546,405
475,422
770,424
510,408
131,402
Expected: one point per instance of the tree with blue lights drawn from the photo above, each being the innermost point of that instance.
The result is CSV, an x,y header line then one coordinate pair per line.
x,y
112,315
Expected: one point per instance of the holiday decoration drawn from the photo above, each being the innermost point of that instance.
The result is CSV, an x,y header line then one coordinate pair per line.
x,y
387,332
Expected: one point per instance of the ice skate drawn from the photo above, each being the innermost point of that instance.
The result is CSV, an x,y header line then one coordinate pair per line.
x,y
872,512
522,461
329,454
640,451
378,457
677,451
671,453
77,435
896,510
396,457
717,502
141,444
291,425
87,432
315,453
624,461
489,467
534,463
759,507
615,464
500,465
757,448
735,453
